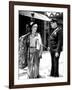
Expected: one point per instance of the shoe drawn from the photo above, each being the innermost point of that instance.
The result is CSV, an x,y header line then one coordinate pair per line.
x,y
53,75
38,76
56,75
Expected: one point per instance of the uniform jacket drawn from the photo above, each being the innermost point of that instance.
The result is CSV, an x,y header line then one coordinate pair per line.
x,y
56,40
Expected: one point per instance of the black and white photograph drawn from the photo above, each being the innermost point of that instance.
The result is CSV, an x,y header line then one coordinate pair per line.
x,y
40,44
41,53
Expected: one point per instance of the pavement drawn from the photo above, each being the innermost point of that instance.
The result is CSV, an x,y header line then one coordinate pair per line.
x,y
45,67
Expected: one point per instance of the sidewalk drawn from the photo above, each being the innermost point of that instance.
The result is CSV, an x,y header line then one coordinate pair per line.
x,y
45,67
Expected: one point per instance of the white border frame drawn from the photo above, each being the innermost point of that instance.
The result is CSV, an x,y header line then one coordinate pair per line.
x,y
16,33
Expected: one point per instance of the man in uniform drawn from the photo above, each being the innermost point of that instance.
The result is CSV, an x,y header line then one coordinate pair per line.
x,y
55,45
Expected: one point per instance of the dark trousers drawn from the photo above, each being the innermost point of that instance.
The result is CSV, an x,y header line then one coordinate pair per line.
x,y
54,64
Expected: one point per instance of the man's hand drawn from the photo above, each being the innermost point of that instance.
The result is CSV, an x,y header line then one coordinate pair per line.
x,y
48,48
56,54
40,55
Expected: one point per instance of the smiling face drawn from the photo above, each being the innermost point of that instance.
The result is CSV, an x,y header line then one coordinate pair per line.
x,y
34,28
